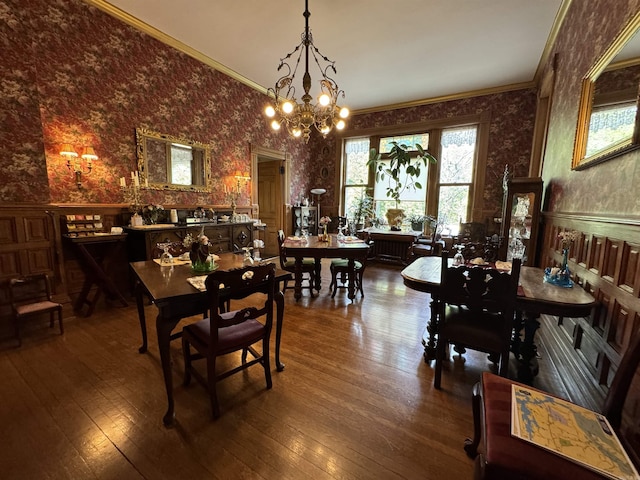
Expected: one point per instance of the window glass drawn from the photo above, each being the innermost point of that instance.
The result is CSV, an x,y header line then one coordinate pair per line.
x,y
356,173
458,153
356,157
457,158
408,140
453,203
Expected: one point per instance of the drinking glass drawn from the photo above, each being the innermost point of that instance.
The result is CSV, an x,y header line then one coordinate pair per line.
x,y
458,259
166,258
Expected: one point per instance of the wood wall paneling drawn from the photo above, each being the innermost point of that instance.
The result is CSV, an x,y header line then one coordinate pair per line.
x,y
605,260
630,268
595,254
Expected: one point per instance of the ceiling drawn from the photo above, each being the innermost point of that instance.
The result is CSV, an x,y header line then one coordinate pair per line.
x,y
386,52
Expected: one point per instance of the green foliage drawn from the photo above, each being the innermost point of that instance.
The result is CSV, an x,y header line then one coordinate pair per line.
x,y
362,207
400,170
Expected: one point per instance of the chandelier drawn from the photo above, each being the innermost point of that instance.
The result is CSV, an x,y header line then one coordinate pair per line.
x,y
299,117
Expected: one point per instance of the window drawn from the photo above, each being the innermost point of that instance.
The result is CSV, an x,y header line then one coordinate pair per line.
x,y
447,187
412,201
457,159
356,172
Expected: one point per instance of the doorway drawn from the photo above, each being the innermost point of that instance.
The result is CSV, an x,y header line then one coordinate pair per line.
x,y
270,169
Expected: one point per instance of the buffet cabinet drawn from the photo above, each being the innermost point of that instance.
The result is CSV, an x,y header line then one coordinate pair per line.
x,y
142,242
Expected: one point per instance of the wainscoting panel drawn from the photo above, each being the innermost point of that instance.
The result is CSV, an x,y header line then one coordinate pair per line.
x,y
605,261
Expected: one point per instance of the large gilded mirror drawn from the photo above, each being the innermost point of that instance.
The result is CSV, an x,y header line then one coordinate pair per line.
x,y
166,162
608,121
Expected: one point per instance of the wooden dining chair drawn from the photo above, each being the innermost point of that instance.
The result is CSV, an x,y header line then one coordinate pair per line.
x,y
31,296
288,264
501,456
340,275
476,311
233,331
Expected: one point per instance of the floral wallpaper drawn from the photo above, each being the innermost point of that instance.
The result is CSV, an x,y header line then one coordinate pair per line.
x,y
73,74
588,30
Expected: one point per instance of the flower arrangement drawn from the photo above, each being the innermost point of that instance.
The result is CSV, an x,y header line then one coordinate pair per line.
x,y
567,238
198,250
561,275
151,212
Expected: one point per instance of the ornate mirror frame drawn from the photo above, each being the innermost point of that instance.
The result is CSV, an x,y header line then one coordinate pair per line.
x,y
149,141
580,159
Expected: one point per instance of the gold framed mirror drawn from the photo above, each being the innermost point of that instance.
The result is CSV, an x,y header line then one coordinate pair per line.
x,y
167,162
608,120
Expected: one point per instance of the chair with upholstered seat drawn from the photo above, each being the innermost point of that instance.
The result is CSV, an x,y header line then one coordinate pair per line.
x,y
340,275
289,264
31,296
476,311
238,330
504,456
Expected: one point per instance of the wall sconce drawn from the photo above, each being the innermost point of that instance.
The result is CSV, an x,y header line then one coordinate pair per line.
x,y
234,194
74,163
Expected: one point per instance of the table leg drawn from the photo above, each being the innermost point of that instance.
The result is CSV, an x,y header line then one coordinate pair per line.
x,y
139,291
432,330
164,327
527,351
297,290
279,299
351,263
317,275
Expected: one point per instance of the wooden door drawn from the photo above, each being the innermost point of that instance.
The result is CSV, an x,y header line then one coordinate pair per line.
x,y
270,201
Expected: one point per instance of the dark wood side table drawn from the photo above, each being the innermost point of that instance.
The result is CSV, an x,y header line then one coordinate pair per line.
x,y
95,253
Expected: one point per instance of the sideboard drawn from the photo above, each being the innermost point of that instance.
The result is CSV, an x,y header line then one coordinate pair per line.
x,y
389,245
224,237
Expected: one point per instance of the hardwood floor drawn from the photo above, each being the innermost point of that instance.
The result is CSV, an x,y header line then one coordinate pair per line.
x,y
355,401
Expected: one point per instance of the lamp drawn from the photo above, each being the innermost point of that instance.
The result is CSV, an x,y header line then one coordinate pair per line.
x,y
234,194
74,163
299,117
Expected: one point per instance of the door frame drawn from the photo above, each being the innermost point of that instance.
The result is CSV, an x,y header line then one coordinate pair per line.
x,y
269,154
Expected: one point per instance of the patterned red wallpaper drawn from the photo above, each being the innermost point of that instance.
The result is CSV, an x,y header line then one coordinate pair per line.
x,y
71,73
78,75
609,188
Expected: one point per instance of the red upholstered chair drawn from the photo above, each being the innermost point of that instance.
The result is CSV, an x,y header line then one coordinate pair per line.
x,y
477,307
225,333
503,456
31,296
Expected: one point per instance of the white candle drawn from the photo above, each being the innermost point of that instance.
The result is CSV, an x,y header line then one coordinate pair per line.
x,y
122,182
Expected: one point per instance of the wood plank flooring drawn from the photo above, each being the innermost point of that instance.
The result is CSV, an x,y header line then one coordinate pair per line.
x,y
355,401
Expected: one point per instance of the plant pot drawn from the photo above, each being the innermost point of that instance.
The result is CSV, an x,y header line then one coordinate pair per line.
x,y
395,217
417,226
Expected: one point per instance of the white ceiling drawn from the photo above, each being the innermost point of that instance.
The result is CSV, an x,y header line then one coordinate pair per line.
x,y
386,52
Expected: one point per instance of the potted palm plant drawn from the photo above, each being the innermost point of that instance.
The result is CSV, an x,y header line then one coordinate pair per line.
x,y
401,172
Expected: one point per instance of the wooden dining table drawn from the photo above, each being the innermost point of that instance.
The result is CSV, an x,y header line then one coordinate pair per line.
x,y
312,247
168,287
535,297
